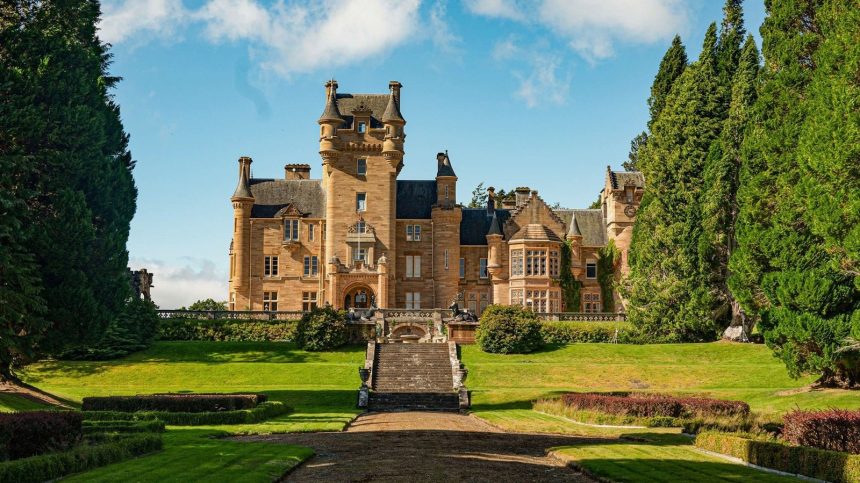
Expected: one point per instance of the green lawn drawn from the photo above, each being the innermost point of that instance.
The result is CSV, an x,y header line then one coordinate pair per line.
x,y
13,402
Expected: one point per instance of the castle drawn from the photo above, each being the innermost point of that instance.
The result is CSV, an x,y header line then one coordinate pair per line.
x,y
360,236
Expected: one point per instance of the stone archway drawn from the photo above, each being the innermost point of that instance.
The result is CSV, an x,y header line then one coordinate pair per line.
x,y
409,329
358,296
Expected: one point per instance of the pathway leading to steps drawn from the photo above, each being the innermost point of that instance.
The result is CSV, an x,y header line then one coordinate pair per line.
x,y
428,446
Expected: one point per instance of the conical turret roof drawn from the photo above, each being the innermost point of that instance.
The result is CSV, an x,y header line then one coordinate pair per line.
x,y
331,113
392,111
495,226
243,189
574,228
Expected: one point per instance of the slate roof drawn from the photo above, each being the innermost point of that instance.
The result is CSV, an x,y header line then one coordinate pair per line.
x,y
415,199
535,231
476,224
272,195
392,111
242,190
444,167
620,179
376,103
590,224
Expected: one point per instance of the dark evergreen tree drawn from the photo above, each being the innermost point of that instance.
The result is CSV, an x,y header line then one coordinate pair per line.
x,y
668,297
636,145
732,34
671,67
719,206
793,266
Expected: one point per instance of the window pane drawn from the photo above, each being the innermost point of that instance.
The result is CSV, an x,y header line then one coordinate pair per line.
x,y
417,232
361,167
360,202
482,271
591,270
462,268
409,232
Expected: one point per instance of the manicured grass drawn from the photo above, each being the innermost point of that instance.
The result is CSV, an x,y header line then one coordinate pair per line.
x,y
196,455
658,457
10,403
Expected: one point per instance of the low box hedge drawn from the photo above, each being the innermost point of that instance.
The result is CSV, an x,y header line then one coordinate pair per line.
x,y
190,403
262,412
801,460
562,332
148,426
834,429
228,330
33,433
655,404
51,466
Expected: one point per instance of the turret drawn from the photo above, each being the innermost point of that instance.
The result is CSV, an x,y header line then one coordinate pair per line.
x,y
446,181
329,121
392,146
243,201
575,236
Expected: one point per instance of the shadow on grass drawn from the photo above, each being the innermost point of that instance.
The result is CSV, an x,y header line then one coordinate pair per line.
x,y
510,404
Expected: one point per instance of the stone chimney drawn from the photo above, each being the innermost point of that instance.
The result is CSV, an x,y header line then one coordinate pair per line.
x,y
522,195
491,201
297,171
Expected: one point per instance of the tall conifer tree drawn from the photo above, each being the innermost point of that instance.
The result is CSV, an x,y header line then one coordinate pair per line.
x,y
668,298
792,267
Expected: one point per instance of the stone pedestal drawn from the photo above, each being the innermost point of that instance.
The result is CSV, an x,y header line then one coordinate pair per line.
x,y
363,397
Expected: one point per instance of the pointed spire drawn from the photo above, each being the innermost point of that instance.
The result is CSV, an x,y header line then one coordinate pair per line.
x,y
574,228
243,189
444,167
331,113
495,226
392,110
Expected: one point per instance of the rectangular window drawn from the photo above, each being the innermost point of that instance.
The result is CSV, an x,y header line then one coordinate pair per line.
x,y
591,302
291,230
516,296
553,264
361,167
472,305
413,266
360,254
270,266
362,127
270,301
309,301
413,300
413,232
446,259
311,232
537,300
485,301
311,266
233,301
516,263
462,268
536,263
591,270
482,268
554,301
361,202
417,235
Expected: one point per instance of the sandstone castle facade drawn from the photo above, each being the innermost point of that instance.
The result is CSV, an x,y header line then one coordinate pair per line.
x,y
359,235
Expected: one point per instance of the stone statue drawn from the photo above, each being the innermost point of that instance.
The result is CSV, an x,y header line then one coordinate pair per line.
x,y
362,315
461,315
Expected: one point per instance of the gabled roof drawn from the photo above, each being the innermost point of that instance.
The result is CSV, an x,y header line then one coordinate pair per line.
x,y
620,179
415,199
590,224
476,223
374,103
534,231
271,196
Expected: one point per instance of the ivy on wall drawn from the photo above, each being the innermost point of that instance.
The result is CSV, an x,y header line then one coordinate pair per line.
x,y
607,259
570,286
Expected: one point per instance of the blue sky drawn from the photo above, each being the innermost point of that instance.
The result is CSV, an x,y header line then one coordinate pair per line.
x,y
541,93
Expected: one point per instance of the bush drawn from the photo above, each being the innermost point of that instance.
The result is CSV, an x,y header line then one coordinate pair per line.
x,y
835,429
814,463
563,332
262,412
228,330
191,403
52,466
700,406
323,328
509,330
153,426
642,407
133,330
33,433
557,407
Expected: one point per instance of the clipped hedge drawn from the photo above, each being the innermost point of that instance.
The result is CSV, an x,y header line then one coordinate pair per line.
x,y
33,433
640,407
509,329
322,329
82,458
151,426
174,403
228,330
812,462
834,429
563,332
262,412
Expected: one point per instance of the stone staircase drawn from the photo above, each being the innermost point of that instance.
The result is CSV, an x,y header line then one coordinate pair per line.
x,y
412,377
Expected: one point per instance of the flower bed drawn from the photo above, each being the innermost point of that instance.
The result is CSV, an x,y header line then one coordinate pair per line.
x,y
33,433
191,403
263,411
835,429
769,453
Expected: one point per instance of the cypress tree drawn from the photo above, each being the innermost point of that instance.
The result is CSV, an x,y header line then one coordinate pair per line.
x,y
669,300
636,145
719,206
793,265
732,34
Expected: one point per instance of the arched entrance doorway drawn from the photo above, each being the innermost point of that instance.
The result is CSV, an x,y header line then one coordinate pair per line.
x,y
359,297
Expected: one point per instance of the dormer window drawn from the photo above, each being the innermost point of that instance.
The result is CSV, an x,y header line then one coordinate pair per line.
x,y
362,127
361,167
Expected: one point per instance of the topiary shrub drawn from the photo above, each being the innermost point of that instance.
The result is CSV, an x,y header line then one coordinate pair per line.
x,y
833,429
509,330
323,328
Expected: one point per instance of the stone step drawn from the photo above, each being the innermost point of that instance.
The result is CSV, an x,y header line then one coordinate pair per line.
x,y
428,401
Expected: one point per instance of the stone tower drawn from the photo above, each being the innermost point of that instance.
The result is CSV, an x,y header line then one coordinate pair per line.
x,y
446,216
240,256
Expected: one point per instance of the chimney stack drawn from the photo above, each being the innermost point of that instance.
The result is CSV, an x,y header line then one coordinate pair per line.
x,y
522,195
491,201
297,171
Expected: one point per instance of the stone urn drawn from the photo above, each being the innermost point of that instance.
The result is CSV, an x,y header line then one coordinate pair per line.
x,y
364,374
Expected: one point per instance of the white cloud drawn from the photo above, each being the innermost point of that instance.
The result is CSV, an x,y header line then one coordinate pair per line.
x,y
181,284
303,38
542,75
440,32
124,19
495,8
593,27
